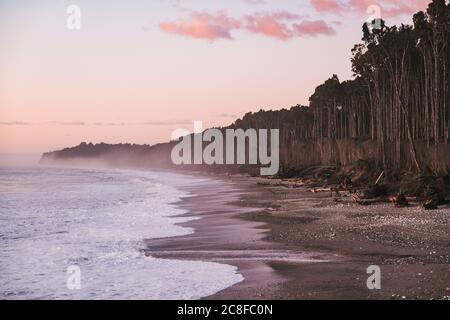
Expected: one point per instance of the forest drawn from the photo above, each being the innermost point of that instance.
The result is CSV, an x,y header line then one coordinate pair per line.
x,y
397,104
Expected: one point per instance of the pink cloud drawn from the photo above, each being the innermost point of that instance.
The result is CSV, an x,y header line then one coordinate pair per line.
x,y
281,25
202,25
272,24
389,8
313,28
393,8
333,6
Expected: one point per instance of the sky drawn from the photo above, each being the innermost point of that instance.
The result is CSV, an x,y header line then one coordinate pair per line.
x,y
136,70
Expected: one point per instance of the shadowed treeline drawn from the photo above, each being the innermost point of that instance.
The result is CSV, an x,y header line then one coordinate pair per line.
x,y
396,111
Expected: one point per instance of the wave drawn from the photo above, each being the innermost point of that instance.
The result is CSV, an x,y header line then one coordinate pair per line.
x,y
53,218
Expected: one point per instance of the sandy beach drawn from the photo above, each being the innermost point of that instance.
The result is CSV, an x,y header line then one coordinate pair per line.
x,y
289,243
222,236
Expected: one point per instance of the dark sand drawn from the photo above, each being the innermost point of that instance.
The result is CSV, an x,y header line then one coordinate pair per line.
x,y
289,243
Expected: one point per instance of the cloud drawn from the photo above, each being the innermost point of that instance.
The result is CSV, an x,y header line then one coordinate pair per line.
x,y
272,24
14,123
68,123
281,25
202,25
146,123
388,8
227,115
163,123
80,123
313,28
333,6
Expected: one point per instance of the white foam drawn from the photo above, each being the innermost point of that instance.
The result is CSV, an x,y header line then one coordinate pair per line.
x,y
97,219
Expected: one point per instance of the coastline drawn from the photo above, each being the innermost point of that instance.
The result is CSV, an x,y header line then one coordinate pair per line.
x,y
221,235
289,243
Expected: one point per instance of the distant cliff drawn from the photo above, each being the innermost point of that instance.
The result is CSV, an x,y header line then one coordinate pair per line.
x,y
298,149
112,155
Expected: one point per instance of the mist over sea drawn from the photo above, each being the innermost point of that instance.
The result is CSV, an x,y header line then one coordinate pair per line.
x,y
54,218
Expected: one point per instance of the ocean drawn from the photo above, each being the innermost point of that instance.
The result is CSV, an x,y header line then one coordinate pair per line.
x,y
69,233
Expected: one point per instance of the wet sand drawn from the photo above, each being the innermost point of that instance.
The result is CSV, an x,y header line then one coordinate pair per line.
x,y
289,243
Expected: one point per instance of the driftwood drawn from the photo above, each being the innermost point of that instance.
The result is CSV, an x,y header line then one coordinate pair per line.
x,y
430,204
269,183
399,200
283,183
314,190
379,177
366,202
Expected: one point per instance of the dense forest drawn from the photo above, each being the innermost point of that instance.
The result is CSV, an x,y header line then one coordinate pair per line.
x,y
397,104
394,114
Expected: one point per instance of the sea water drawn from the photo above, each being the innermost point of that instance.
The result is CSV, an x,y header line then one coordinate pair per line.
x,y
56,220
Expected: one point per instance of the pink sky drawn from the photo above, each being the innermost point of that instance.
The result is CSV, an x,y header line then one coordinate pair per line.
x,y
137,70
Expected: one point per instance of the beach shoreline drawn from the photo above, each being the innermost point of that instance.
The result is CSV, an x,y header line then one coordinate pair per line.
x,y
289,243
221,236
